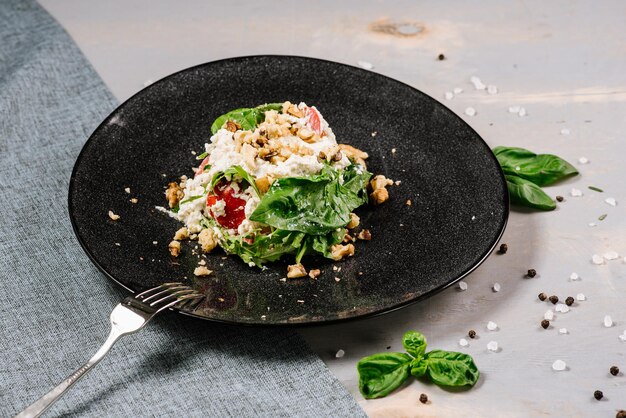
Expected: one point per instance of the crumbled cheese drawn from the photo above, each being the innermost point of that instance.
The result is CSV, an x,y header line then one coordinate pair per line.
x,y
608,322
463,342
492,346
576,192
549,315
583,160
470,111
559,365
610,201
478,84
597,259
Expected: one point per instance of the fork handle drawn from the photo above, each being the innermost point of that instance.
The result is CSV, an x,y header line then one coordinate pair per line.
x,y
43,403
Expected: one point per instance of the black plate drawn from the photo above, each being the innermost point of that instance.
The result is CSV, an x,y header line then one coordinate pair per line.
x,y
459,201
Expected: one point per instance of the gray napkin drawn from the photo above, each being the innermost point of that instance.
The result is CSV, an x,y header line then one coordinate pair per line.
x,y
54,305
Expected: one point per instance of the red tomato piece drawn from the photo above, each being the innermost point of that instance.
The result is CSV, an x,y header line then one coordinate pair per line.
x,y
234,207
314,120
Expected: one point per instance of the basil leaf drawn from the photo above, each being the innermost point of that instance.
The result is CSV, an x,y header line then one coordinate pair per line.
x,y
419,367
448,368
317,204
247,118
523,192
234,170
541,169
382,373
414,343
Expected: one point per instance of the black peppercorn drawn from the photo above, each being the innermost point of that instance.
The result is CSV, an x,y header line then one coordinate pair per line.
x,y
542,296
569,301
441,57
554,299
423,398
621,414
532,273
545,324
614,370
503,249
471,333
598,394
559,198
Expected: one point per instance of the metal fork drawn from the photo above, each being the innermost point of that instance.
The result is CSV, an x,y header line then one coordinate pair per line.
x,y
127,317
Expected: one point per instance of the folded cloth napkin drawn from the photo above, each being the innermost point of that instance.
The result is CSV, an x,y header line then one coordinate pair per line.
x,y
54,305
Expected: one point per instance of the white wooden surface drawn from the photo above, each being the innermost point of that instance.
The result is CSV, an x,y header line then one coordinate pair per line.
x,y
564,61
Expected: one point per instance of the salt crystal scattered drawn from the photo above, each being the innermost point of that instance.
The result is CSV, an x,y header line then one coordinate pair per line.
x,y
576,192
611,255
514,109
457,90
448,95
263,317
127,190
155,242
462,285
581,297
393,150
562,330
574,277
610,201
470,111
564,131
337,279
492,326
549,315
496,287
463,342
559,365
522,112
561,307
608,322
492,346
597,259
366,65
478,84
340,353
491,89
583,160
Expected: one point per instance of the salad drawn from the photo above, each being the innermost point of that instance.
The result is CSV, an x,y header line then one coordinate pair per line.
x,y
273,182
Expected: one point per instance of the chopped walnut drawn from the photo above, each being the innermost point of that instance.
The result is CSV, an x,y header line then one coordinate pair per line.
x,y
408,202
380,182
249,154
263,184
296,270
134,200
348,238
314,274
181,234
174,247
379,192
306,134
340,251
293,110
232,126
202,271
379,196
365,235
113,216
173,194
207,240
354,154
354,221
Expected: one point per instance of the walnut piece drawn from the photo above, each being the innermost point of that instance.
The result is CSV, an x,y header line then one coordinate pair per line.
x,y
263,184
365,235
379,192
296,270
354,221
207,240
380,182
174,247
232,126
173,194
354,154
181,234
314,273
202,271
113,216
379,196
340,251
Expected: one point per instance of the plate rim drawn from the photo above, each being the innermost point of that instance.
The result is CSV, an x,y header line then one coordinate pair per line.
x,y
377,312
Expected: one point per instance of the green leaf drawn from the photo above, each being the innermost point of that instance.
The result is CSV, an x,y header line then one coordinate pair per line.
x,y
448,368
524,193
229,173
247,118
414,343
380,374
541,169
191,199
419,367
317,204
202,156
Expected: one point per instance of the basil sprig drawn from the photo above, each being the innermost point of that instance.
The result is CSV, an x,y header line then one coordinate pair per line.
x,y
381,374
526,172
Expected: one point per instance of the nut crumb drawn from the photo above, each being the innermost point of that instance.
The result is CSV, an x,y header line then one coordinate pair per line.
x,y
340,251
134,200
354,221
113,216
314,273
207,240
365,235
202,262
202,271
181,234
127,190
408,202
295,271
174,247
173,194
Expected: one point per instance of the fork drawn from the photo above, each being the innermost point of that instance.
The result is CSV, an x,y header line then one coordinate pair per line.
x,y
128,317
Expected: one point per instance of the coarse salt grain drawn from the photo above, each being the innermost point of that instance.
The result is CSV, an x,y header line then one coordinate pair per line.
x,y
522,112
611,255
583,160
463,342
608,322
457,90
340,353
564,131
597,259
574,277
492,326
155,242
549,315
491,89
496,287
478,84
366,65
561,307
514,109
448,95
492,346
576,192
559,365
463,286
581,297
610,201
562,330
127,190
470,111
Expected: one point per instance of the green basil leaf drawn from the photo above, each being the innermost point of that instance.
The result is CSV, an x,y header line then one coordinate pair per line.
x,y
524,193
448,368
380,374
247,118
234,170
317,204
541,169
419,367
414,343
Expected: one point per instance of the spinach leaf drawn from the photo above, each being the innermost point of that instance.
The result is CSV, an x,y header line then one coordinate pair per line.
x,y
448,368
414,343
525,193
541,169
317,204
234,170
381,374
247,117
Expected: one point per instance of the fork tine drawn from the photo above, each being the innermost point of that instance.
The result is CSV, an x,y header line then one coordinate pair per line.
x,y
174,295
167,291
163,286
179,299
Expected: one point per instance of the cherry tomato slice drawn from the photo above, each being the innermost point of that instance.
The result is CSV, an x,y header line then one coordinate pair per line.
x,y
202,165
234,207
314,120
